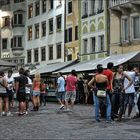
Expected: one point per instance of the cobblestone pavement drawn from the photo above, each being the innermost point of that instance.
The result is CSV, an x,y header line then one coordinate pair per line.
x,y
49,123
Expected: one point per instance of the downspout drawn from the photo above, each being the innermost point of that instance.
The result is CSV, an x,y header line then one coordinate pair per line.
x,y
64,31
107,14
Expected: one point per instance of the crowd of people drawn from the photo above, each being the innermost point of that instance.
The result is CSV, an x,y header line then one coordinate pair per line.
x,y
113,92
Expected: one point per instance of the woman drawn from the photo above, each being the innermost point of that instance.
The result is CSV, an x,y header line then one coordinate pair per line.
x,y
118,96
100,81
36,92
4,96
86,91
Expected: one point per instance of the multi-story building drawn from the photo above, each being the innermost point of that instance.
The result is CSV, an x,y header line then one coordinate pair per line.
x,y
44,32
71,29
12,31
93,29
124,26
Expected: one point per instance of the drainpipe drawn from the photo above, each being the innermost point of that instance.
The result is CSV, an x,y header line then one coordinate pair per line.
x,y
107,14
64,31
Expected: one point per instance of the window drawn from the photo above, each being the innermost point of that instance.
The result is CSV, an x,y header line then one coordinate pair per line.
x,y
76,32
4,43
136,27
30,11
30,33
58,51
17,1
50,52
43,54
69,57
68,35
101,42
85,9
6,21
51,4
92,8
17,41
93,44
43,29
36,55
18,19
36,31
37,8
51,25
69,7
44,6
100,6
85,45
125,29
58,20
29,56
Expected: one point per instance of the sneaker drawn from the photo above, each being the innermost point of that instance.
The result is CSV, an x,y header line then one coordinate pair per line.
x,y
61,106
3,114
67,109
26,112
97,120
9,114
108,121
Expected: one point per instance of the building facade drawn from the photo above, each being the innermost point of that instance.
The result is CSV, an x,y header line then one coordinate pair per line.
x,y
124,26
12,31
71,30
93,29
44,32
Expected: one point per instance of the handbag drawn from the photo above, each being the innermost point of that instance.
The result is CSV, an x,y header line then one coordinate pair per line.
x,y
101,93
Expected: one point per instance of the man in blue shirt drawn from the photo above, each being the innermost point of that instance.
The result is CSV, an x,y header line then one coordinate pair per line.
x,y
60,94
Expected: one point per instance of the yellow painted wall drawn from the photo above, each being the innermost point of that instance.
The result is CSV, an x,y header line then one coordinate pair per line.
x,y
72,19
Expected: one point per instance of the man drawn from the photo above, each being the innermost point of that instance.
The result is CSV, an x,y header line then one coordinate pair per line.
x,y
71,82
108,72
60,94
10,87
137,95
129,92
21,83
28,89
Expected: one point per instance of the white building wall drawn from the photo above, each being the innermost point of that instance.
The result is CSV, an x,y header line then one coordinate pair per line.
x,y
52,39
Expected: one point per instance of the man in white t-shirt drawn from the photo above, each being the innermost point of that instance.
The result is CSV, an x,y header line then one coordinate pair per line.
x,y
129,92
60,94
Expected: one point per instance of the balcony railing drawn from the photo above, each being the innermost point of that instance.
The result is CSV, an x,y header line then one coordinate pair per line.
x,y
118,2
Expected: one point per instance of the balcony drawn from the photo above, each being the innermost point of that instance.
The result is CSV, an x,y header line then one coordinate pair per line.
x,y
17,51
125,6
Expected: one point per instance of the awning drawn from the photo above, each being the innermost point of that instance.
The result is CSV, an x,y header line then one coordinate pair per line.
x,y
7,64
48,68
92,64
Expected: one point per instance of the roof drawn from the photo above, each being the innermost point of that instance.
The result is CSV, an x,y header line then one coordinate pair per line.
x,y
53,67
92,64
7,64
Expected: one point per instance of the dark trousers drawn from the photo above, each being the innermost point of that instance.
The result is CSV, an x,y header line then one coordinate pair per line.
x,y
138,104
43,98
118,104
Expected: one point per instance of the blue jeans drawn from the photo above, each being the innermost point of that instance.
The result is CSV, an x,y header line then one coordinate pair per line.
x,y
108,109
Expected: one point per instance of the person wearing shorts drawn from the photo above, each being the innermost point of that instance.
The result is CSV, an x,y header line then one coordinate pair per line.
x,y
10,88
60,93
21,83
70,95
